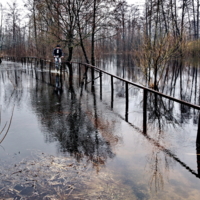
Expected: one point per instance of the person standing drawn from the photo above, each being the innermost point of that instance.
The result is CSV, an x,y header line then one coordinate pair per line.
x,y
58,54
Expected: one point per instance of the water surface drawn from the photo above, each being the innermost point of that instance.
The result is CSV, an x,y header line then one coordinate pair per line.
x,y
66,144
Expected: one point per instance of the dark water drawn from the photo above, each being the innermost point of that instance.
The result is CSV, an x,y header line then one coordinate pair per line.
x,y
65,145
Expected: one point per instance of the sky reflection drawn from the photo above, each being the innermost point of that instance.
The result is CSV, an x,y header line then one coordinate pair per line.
x,y
162,164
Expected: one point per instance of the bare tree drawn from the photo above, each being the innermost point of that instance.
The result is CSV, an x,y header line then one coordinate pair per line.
x,y
14,36
1,26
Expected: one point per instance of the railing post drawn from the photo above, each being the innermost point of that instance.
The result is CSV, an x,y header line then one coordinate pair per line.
x,y
16,80
145,112
112,92
79,69
50,66
100,74
198,132
86,68
92,76
42,66
198,147
127,102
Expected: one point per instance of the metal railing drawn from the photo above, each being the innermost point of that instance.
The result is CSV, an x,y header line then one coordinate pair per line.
x,y
83,72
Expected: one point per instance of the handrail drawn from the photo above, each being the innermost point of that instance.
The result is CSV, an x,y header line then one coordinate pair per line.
x,y
129,82
162,148
143,87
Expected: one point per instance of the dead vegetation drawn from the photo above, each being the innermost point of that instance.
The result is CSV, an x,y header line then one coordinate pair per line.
x,y
49,177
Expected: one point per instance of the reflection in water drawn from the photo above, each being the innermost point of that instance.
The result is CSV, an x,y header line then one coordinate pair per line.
x,y
198,148
58,85
159,165
181,81
79,129
163,116
68,123
198,158
160,112
155,170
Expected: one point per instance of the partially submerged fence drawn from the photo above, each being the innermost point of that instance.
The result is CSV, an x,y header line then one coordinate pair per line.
x,y
99,73
88,74
126,84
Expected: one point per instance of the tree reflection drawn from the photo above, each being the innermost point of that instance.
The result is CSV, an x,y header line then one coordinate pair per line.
x,y
160,111
73,125
12,95
58,85
158,167
161,114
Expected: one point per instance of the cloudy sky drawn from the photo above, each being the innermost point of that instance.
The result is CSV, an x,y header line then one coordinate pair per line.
x,y
136,2
22,2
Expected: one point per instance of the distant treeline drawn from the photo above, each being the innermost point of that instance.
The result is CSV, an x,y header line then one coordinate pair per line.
x,y
153,33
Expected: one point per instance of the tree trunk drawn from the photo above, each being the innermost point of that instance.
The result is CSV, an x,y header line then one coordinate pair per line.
x,y
93,34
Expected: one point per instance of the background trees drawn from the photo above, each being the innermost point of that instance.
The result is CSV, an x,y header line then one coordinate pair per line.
x,y
153,33
11,29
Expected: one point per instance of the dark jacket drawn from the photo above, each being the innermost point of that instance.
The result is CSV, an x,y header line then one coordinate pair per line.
x,y
57,52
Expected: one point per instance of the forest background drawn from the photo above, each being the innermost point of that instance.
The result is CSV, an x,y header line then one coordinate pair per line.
x,y
153,33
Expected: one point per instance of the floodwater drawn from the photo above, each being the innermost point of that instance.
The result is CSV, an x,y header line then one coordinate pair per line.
x,y
62,142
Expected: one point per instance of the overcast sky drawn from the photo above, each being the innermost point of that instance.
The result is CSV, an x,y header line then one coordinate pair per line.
x,y
22,2
136,2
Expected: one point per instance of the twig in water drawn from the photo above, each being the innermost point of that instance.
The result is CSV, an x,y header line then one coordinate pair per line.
x,y
8,126
3,128
17,172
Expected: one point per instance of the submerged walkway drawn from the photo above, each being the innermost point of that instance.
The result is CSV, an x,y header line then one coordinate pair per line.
x,y
72,117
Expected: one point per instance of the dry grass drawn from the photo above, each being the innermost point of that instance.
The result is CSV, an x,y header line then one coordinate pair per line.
x,y
49,177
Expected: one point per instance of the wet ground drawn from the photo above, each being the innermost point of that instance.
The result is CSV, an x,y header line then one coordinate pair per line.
x,y
60,143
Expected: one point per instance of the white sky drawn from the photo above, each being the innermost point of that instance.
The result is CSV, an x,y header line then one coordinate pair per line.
x,y
21,2
136,2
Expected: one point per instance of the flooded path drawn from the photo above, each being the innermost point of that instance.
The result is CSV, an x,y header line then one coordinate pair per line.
x,y
63,145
